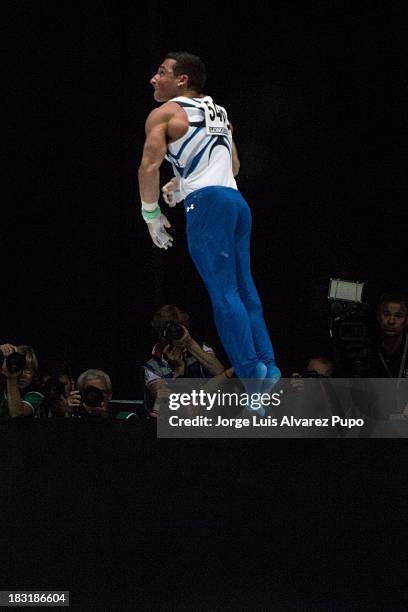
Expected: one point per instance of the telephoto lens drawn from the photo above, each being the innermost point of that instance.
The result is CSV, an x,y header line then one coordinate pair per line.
x,y
92,397
91,409
15,362
173,331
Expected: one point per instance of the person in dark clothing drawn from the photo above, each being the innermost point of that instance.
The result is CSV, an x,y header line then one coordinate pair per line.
x,y
389,357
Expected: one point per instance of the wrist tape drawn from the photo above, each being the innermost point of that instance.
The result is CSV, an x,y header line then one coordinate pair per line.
x,y
150,211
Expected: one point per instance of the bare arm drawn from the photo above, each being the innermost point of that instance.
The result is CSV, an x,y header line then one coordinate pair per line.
x,y
153,154
208,360
149,177
16,406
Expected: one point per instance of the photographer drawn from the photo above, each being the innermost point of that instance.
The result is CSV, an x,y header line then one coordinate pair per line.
x,y
19,370
311,393
176,354
317,367
57,383
92,397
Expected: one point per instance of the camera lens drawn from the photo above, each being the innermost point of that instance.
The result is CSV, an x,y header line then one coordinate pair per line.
x,y
92,397
173,331
15,362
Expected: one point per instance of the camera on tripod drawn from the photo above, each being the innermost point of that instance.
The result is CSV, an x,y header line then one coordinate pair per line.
x,y
349,322
349,325
348,313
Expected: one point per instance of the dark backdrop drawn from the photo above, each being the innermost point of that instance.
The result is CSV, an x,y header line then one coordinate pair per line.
x,y
316,96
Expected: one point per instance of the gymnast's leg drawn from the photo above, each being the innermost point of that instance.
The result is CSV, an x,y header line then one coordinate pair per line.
x,y
248,292
211,228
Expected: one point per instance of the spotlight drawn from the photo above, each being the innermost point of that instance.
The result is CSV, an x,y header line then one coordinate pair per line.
x,y
345,290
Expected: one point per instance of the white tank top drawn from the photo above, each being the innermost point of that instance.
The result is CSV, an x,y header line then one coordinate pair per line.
x,y
202,157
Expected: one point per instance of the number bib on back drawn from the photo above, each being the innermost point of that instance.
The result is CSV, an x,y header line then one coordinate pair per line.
x,y
216,121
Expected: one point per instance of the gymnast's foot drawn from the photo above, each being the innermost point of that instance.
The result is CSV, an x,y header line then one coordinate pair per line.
x,y
254,390
260,371
273,374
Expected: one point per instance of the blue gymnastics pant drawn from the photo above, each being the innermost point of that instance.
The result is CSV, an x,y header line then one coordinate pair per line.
x,y
218,236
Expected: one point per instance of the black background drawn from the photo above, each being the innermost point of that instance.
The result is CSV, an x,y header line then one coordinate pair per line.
x,y
317,96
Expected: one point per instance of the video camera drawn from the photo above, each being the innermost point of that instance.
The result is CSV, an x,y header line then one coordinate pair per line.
x,y
349,325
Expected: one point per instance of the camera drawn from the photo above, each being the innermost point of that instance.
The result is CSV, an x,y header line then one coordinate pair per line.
x,y
53,389
172,331
90,409
349,321
15,362
349,327
54,393
92,397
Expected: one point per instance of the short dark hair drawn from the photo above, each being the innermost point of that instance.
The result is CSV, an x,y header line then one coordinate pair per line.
x,y
396,298
192,66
